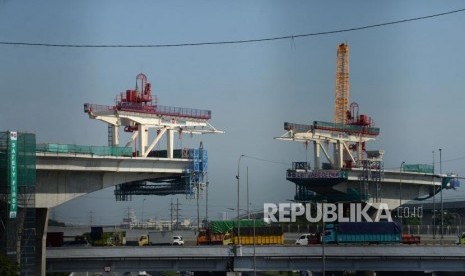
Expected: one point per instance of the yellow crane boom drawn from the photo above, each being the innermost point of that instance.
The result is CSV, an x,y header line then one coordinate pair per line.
x,y
341,105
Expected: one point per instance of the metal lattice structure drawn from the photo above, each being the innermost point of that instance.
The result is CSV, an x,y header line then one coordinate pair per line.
x,y
193,183
341,105
196,180
137,112
372,175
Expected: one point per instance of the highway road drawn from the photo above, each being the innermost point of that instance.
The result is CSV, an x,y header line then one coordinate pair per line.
x,y
189,236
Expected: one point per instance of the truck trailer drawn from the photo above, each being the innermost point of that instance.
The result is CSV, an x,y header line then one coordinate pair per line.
x,y
219,232
251,232
363,233
262,235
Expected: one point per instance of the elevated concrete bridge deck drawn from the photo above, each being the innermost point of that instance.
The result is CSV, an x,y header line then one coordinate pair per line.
x,y
62,176
260,258
394,188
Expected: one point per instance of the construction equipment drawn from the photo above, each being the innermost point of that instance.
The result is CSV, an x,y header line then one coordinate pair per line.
x,y
347,134
137,111
342,84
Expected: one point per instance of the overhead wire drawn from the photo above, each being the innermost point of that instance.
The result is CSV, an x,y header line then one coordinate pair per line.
x,y
265,160
229,41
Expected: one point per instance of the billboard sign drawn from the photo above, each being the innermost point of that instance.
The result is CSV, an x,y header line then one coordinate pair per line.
x,y
13,172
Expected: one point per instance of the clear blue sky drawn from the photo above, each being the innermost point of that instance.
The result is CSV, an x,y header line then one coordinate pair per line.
x,y
408,77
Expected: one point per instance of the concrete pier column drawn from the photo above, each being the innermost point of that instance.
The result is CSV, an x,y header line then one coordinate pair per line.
x,y
170,143
143,139
41,240
316,160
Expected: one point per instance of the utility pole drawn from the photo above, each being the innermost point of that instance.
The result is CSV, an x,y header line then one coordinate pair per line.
x,y
206,201
171,211
90,217
174,210
142,220
129,218
248,202
198,211
177,214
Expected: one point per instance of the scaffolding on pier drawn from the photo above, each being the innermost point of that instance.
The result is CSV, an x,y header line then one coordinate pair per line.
x,y
17,199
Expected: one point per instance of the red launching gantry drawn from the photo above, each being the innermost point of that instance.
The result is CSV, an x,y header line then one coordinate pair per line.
x,y
138,111
141,101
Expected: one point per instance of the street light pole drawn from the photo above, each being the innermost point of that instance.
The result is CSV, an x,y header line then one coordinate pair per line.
x,y
434,203
442,206
238,197
400,192
460,224
254,253
248,202
323,257
143,202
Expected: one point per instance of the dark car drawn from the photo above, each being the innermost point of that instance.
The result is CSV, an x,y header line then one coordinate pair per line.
x,y
78,243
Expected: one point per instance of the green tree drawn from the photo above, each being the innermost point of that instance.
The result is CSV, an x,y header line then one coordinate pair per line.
x,y
52,222
449,219
412,221
7,267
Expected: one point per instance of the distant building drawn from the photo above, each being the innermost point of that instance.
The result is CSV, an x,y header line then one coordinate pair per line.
x,y
130,221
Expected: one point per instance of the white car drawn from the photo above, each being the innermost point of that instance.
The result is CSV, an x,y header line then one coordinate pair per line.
x,y
306,239
177,240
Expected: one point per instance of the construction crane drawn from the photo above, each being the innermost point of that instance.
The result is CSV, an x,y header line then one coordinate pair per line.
x,y
341,105
343,144
348,133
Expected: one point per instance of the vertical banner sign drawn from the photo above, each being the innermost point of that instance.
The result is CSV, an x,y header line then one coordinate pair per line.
x,y
13,173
